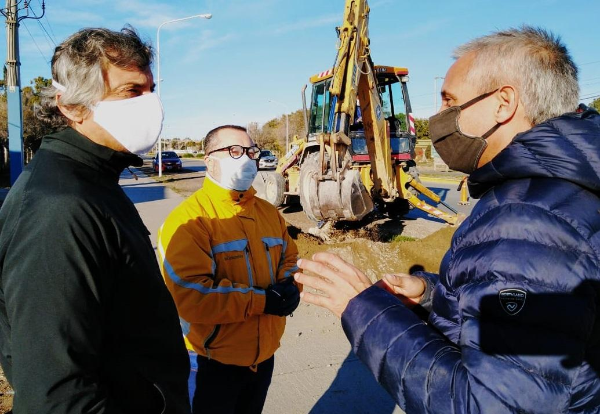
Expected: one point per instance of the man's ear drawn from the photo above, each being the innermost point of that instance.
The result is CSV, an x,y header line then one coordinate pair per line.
x,y
210,165
73,113
508,102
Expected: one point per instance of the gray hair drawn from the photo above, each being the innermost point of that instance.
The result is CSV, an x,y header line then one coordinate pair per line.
x,y
79,64
211,141
532,60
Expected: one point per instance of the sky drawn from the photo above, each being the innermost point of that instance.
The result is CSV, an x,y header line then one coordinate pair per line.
x,y
249,62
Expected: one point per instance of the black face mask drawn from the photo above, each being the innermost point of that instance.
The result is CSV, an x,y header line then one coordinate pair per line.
x,y
461,152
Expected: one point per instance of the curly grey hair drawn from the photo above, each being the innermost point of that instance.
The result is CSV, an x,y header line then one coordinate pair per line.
x,y
531,59
79,64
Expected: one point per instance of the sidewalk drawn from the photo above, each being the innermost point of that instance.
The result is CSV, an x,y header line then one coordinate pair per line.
x,y
315,372
154,201
427,173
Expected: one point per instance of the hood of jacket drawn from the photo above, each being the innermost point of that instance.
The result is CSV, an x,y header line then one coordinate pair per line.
x,y
566,147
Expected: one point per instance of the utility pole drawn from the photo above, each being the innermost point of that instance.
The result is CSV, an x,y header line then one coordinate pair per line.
x,y
13,85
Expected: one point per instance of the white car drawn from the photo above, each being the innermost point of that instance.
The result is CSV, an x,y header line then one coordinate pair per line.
x,y
267,160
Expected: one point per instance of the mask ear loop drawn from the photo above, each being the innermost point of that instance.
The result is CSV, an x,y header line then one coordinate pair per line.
x,y
132,173
58,86
477,99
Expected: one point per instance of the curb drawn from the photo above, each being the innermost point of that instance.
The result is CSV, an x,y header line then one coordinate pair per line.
x,y
447,180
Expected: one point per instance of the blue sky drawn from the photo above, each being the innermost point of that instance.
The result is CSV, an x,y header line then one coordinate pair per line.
x,y
227,69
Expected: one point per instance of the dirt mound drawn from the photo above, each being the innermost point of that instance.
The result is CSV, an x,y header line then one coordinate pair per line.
x,y
378,257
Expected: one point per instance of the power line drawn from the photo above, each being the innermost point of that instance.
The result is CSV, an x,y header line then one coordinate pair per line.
x,y
591,95
34,42
589,63
39,20
48,21
47,35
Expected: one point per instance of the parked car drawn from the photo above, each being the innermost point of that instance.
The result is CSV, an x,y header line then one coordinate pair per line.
x,y
170,161
267,159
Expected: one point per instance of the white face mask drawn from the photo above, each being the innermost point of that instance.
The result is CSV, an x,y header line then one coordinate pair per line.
x,y
135,122
237,174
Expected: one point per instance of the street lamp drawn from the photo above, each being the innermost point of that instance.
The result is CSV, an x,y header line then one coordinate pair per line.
x,y
287,124
435,93
203,16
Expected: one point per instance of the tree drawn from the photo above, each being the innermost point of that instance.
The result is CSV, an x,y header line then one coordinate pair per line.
x,y
422,128
33,128
272,134
595,104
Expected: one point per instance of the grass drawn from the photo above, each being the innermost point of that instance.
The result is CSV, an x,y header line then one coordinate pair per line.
x,y
400,238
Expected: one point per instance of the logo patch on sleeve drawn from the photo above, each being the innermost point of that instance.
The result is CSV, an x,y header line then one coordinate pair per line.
x,y
512,300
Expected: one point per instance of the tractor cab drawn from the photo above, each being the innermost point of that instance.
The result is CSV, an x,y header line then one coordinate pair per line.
x,y
396,109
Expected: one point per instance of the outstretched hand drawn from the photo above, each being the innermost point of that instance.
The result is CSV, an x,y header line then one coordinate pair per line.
x,y
337,281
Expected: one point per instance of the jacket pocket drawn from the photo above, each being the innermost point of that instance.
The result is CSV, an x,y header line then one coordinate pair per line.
x,y
230,258
274,248
164,399
210,339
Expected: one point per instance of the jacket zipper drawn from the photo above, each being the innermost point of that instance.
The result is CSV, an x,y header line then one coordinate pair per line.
x,y
210,338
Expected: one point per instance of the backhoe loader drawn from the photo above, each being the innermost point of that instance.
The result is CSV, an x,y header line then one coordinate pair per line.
x,y
359,149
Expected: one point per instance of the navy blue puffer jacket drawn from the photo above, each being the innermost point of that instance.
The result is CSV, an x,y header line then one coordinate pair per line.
x,y
515,321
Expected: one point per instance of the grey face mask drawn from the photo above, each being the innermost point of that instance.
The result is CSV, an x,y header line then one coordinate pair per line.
x,y
461,152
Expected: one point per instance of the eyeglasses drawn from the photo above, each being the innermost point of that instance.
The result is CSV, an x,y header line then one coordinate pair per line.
x,y
236,151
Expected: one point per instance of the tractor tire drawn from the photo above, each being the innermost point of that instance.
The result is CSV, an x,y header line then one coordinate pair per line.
x,y
275,188
308,174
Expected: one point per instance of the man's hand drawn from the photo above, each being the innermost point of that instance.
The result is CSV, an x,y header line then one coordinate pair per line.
x,y
282,298
409,289
337,281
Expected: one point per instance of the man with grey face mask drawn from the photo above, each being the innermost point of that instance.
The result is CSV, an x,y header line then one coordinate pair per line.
x,y
229,261
86,323
514,314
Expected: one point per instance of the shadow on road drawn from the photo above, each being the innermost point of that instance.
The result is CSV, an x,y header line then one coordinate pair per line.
x,y
354,390
142,193
415,213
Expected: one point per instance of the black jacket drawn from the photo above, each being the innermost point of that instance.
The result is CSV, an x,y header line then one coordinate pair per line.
x,y
86,322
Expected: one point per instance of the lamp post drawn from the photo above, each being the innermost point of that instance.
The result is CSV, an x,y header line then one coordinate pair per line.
x,y
287,124
159,80
435,93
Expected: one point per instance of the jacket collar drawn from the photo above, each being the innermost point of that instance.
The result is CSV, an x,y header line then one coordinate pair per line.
x,y
242,199
565,147
78,147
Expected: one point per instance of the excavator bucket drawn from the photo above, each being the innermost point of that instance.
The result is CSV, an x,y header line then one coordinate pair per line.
x,y
347,199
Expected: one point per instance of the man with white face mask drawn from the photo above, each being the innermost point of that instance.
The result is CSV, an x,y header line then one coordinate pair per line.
x,y
228,261
86,323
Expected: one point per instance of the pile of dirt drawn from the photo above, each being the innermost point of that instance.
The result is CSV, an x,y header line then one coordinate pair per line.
x,y
6,395
376,257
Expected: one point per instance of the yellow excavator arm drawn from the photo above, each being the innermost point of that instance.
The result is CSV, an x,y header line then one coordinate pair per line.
x,y
329,183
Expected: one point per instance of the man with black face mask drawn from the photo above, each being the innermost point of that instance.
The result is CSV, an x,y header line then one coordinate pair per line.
x,y
514,322
229,261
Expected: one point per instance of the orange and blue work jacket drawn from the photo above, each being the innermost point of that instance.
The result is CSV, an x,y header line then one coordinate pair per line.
x,y
219,250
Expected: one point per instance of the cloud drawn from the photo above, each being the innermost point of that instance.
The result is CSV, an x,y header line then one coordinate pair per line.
x,y
208,40
70,17
309,23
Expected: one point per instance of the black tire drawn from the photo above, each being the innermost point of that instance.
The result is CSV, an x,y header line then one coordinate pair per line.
x,y
275,189
308,170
